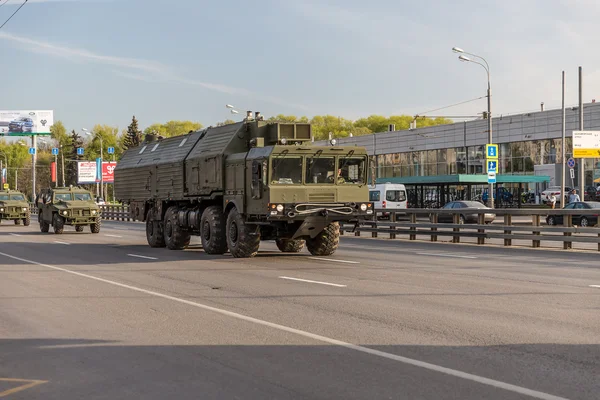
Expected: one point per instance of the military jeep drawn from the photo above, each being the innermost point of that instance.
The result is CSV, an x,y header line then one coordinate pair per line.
x,y
14,206
67,206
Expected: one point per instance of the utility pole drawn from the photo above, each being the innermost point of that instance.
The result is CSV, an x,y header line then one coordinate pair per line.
x,y
33,159
562,185
581,160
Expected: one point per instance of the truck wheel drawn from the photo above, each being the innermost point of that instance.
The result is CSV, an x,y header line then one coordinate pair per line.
x,y
212,230
58,224
290,246
326,242
17,222
95,227
44,226
175,237
79,228
154,233
27,220
241,240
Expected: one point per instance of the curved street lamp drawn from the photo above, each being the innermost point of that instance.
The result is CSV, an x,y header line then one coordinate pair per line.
x,y
485,66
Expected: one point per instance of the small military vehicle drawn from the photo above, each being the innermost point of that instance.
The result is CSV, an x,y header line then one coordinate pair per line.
x,y
237,184
67,206
14,206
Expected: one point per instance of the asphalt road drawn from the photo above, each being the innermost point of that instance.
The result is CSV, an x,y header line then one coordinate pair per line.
x,y
105,316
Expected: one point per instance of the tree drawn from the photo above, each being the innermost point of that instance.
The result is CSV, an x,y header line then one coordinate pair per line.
x,y
173,128
71,168
338,126
288,118
106,135
58,132
226,122
133,137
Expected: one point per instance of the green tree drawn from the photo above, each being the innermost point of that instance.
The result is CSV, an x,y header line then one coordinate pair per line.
x,y
133,137
339,127
71,168
226,122
173,128
59,133
288,118
106,135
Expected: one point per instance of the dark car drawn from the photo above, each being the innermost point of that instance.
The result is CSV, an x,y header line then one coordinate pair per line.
x,y
22,124
580,220
467,216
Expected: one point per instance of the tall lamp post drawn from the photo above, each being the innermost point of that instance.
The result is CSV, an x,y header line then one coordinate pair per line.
x,y
101,191
464,58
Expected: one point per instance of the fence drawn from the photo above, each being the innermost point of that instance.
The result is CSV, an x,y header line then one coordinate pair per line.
x,y
406,222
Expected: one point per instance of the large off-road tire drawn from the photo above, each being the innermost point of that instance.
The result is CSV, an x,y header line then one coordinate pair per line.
x,y
95,227
176,238
213,230
27,220
326,242
44,226
17,222
58,224
154,233
243,242
79,228
289,245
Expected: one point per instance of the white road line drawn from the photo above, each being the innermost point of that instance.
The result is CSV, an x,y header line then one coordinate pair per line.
x,y
146,257
15,234
309,281
115,236
595,286
333,259
432,367
444,255
59,242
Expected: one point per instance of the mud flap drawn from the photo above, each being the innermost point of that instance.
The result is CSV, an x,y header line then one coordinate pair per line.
x,y
311,227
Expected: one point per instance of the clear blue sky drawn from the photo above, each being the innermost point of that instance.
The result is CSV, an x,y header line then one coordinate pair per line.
x,y
101,61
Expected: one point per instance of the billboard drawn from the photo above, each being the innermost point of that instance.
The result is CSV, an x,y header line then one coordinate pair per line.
x,y
26,122
586,144
87,172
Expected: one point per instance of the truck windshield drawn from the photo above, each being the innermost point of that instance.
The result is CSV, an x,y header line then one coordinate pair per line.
x,y
3,197
352,170
320,170
287,171
18,197
62,196
83,196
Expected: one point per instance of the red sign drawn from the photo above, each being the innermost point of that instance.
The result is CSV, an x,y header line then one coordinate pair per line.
x,y
53,171
108,171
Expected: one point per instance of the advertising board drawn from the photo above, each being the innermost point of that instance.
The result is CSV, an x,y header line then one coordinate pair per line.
x,y
26,122
87,172
586,144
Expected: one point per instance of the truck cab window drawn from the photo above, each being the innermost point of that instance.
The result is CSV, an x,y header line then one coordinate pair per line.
x,y
287,171
352,170
320,170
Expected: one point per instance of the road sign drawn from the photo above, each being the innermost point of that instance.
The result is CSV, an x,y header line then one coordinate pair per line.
x,y
55,151
492,166
6,186
491,151
491,177
111,150
80,151
586,144
572,173
32,150
571,162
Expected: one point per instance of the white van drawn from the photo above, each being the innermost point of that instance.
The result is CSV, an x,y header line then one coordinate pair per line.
x,y
388,195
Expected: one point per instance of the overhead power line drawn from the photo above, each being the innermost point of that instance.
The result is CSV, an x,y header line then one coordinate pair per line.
x,y
3,3
13,14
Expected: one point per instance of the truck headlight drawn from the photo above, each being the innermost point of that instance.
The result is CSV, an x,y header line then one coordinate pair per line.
x,y
93,212
363,207
65,212
279,207
1,209
24,208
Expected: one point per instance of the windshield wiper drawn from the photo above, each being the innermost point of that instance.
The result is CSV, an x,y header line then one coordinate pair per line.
x,y
350,153
282,154
314,162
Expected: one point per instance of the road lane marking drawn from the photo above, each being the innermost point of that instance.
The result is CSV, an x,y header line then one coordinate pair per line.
x,y
309,281
30,383
115,236
59,242
444,255
595,286
333,259
409,361
14,234
145,257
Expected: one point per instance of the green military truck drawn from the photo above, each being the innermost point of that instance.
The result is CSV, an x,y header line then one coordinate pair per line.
x,y
14,206
238,184
62,206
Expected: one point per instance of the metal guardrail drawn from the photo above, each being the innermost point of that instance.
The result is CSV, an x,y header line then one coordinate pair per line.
x,y
397,226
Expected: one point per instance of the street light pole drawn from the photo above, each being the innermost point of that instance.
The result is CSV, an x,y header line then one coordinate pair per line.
x,y
489,107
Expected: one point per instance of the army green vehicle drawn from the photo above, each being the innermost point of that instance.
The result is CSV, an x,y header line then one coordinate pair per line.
x,y
14,206
238,184
67,206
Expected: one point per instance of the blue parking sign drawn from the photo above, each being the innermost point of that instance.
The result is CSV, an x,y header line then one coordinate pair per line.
x,y
32,150
111,150
80,151
55,151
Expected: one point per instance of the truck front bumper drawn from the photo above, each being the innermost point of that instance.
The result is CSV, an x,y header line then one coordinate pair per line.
x,y
332,212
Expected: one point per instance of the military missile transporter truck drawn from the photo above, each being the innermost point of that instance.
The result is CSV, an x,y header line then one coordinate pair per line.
x,y
238,184
14,206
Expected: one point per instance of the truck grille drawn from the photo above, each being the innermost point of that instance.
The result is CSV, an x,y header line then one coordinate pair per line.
x,y
321,197
81,212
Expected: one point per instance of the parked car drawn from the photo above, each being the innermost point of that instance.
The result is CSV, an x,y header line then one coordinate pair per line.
x,y
21,124
467,216
580,220
553,190
100,201
388,195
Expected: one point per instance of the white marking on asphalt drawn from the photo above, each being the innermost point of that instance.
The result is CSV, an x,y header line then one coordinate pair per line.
x,y
146,257
59,242
14,234
444,255
309,281
332,259
324,339
595,286
115,236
